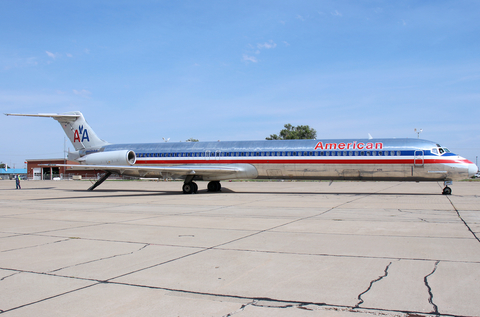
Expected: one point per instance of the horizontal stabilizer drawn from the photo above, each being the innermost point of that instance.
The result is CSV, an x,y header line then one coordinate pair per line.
x,y
57,116
75,127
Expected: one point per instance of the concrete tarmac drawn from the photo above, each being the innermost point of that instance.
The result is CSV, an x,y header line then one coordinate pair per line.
x,y
143,248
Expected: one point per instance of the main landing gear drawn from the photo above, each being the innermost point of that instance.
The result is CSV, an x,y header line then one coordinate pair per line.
x,y
190,187
447,190
214,186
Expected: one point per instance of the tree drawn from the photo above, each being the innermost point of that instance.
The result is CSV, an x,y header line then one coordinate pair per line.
x,y
290,132
192,140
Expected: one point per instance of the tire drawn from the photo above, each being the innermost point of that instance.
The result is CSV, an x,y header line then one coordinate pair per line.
x,y
188,188
447,191
214,186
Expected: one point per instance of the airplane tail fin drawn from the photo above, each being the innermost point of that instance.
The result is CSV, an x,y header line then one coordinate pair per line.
x,y
76,128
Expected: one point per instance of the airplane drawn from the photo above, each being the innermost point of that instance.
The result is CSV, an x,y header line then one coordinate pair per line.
x,y
402,159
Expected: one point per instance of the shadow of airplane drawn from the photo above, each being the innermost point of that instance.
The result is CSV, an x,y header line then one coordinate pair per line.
x,y
125,193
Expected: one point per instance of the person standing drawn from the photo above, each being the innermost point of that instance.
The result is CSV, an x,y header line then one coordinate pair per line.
x,y
17,181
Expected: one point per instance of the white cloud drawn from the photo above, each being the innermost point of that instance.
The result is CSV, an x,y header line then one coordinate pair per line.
x,y
336,13
52,55
69,55
267,45
247,58
83,93
300,17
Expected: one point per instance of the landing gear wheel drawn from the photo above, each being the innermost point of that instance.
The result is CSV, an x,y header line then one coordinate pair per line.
x,y
214,186
195,187
447,191
190,188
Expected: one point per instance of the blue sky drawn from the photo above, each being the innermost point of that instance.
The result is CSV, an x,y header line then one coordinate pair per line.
x,y
141,71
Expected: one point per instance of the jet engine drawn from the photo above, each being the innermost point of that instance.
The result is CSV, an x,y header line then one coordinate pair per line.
x,y
117,158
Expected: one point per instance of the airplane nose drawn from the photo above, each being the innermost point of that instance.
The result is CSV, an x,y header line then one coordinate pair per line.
x,y
472,170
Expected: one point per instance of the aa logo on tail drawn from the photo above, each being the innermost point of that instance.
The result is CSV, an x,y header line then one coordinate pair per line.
x,y
82,132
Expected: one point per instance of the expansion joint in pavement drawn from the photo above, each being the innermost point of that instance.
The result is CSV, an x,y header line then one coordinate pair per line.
x,y
101,259
464,222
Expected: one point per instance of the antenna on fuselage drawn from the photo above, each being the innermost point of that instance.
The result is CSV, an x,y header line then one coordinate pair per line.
x,y
418,131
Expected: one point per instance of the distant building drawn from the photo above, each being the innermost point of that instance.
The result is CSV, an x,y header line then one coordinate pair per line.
x,y
38,169
9,173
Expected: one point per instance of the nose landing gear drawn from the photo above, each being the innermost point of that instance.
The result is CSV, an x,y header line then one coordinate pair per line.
x,y
447,190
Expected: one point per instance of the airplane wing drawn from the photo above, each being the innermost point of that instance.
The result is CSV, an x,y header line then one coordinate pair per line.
x,y
208,172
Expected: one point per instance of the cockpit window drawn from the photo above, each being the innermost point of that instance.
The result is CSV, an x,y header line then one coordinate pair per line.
x,y
442,150
434,151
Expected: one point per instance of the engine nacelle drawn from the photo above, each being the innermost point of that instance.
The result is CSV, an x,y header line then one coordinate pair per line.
x,y
118,158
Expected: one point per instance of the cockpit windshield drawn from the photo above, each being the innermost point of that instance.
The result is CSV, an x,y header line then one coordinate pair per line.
x,y
440,150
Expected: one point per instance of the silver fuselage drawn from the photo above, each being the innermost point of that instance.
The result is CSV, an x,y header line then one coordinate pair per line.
x,y
350,159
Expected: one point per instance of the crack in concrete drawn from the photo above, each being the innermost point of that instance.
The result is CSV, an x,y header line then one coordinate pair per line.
x,y
240,309
361,301
252,301
101,259
430,298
